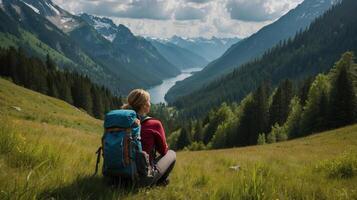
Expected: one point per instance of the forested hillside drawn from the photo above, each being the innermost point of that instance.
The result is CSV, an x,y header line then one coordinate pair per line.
x,y
309,53
41,28
270,115
254,46
75,89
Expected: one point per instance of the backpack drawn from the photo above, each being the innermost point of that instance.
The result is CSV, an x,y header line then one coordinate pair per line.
x,y
121,147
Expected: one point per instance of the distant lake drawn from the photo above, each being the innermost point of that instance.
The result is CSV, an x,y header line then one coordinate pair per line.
x,y
157,93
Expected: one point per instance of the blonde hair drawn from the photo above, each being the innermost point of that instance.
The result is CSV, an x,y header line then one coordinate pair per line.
x,y
136,100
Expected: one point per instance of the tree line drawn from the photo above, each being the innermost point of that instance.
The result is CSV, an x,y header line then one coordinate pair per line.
x,y
293,109
46,78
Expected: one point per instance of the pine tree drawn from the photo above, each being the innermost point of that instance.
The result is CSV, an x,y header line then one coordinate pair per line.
x,y
343,98
304,90
279,109
310,117
81,94
52,87
197,136
64,85
183,139
98,108
13,65
50,64
260,114
216,117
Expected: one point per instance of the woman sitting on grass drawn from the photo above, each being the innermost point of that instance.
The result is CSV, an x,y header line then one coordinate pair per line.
x,y
153,137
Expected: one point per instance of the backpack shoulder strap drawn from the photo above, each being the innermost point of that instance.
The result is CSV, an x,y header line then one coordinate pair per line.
x,y
144,119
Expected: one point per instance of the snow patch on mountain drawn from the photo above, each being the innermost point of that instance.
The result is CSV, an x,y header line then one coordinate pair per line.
x,y
53,8
98,24
103,25
32,7
109,37
66,20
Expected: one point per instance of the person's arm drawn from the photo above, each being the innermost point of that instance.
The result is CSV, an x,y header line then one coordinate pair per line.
x,y
160,139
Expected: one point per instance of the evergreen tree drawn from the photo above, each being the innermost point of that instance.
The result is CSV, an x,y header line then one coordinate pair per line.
x,y
12,65
197,136
279,108
343,95
215,119
260,115
322,115
49,63
64,87
183,139
98,107
81,95
293,121
311,114
52,87
304,90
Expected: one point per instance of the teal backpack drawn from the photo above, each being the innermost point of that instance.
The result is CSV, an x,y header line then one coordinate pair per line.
x,y
121,147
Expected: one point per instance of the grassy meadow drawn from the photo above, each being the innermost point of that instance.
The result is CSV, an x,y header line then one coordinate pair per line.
x,y
47,151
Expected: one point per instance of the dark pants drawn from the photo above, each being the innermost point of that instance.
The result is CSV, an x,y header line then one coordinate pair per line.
x,y
164,166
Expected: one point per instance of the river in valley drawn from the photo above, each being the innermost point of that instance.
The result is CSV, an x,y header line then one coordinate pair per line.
x,y
157,93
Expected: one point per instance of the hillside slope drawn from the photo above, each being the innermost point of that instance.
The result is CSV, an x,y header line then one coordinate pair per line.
x,y
41,27
309,53
254,46
53,145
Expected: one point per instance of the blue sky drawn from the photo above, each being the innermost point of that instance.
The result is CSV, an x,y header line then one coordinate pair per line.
x,y
186,18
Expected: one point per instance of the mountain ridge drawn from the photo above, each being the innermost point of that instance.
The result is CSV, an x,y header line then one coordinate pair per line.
x,y
80,42
309,53
254,46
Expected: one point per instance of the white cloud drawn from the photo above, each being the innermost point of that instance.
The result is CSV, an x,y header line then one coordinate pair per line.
x,y
187,12
258,10
187,18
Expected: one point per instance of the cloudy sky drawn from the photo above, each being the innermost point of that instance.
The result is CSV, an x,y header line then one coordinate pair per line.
x,y
186,18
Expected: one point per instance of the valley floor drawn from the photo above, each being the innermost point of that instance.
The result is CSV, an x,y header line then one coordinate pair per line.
x,y
47,150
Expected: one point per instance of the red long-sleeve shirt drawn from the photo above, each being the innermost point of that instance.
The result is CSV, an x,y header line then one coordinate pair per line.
x,y
153,137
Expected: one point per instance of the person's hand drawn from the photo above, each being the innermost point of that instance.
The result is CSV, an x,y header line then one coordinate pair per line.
x,y
137,121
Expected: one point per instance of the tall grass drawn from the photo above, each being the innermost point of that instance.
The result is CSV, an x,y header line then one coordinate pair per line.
x,y
342,167
19,153
47,151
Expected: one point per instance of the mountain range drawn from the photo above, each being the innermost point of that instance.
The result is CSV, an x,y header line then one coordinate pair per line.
x,y
109,54
77,44
192,52
253,47
209,48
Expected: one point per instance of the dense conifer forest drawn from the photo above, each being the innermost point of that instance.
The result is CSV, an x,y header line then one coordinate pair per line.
x,y
46,78
269,115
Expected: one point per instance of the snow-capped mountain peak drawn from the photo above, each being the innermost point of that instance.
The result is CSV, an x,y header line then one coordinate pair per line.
x,y
107,28
104,26
59,17
209,48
